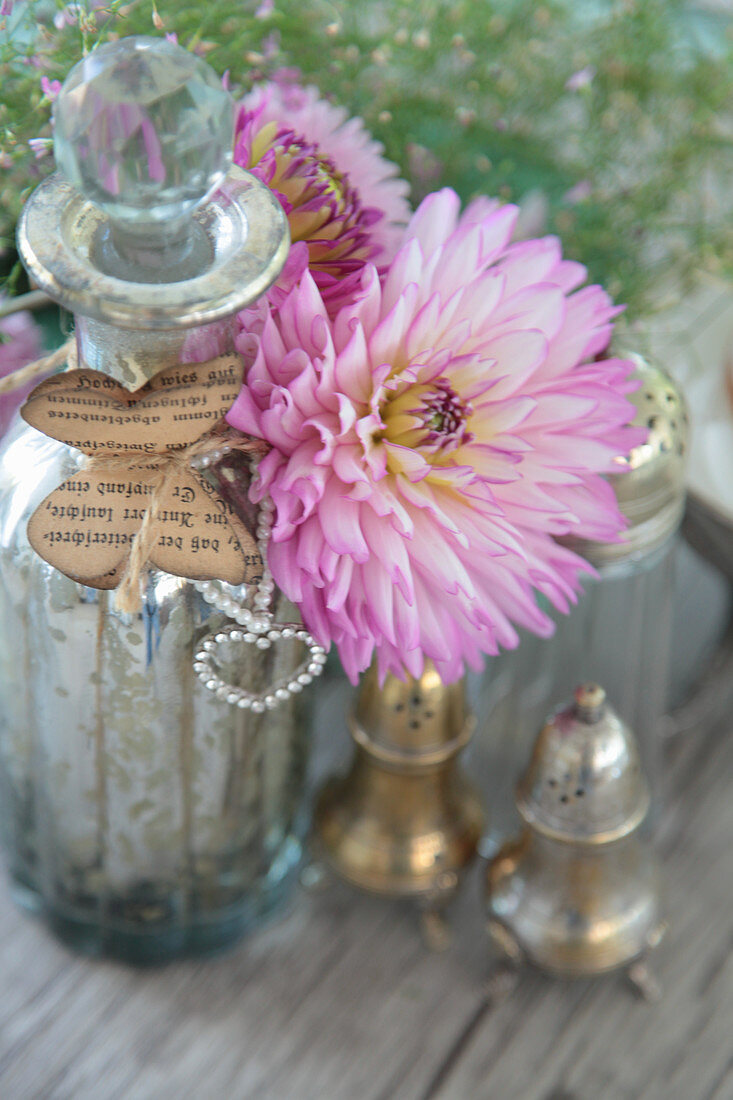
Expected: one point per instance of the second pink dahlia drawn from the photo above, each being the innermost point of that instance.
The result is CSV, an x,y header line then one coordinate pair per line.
x,y
344,201
429,443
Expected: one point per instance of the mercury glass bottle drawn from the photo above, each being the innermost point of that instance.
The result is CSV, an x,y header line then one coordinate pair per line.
x,y
144,816
619,634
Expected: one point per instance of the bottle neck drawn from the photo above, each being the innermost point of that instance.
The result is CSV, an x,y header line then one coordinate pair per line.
x,y
173,253
133,356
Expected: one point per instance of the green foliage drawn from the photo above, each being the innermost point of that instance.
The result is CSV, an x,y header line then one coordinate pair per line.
x,y
632,156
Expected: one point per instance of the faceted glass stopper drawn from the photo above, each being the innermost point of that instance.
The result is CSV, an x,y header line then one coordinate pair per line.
x,y
144,129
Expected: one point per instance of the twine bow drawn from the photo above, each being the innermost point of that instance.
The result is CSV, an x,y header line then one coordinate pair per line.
x,y
142,498
169,471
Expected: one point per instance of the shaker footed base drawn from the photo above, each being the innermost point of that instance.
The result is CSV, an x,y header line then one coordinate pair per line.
x,y
146,927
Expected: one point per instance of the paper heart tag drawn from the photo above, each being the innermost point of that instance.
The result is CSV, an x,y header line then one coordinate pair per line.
x,y
202,537
90,411
138,462
85,529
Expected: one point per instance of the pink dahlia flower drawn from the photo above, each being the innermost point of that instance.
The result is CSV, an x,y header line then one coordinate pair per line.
x,y
428,444
344,202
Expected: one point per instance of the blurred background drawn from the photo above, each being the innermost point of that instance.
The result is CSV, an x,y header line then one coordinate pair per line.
x,y
611,125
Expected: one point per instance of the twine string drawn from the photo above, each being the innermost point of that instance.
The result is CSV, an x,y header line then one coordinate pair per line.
x,y
169,467
39,367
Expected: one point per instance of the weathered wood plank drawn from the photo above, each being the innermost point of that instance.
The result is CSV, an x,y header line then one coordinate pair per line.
x,y
340,1001
595,1041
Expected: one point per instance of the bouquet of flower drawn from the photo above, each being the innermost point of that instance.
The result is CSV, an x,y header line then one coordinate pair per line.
x,y
437,401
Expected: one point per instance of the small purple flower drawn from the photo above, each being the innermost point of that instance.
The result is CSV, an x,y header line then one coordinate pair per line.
x,y
265,9
271,46
41,147
67,17
579,192
581,79
171,36
6,7
50,88
424,166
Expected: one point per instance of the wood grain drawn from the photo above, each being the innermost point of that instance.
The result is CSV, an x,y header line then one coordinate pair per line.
x,y
340,1001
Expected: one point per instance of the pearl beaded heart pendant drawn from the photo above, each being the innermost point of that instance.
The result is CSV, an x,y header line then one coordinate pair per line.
x,y
205,665
254,626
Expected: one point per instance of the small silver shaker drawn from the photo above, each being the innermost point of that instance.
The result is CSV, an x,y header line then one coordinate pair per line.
x,y
577,893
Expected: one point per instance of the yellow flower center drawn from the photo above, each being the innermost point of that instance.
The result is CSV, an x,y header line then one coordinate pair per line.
x,y
429,417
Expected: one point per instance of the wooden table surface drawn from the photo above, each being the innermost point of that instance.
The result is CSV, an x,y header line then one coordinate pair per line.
x,y
340,1000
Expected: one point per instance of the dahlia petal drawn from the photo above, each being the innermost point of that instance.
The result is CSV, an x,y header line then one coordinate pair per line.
x,y
479,209
481,298
386,502
407,461
272,347
329,562
420,495
348,464
408,626
379,610
523,351
351,374
363,309
389,334
355,655
532,261
405,269
569,275
298,313
340,523
301,463
432,624
434,220
267,471
315,615
245,414
585,452
491,419
293,269
307,546
588,313
446,569
274,423
496,230
392,661
281,559
424,327
495,467
541,306
463,255
389,547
